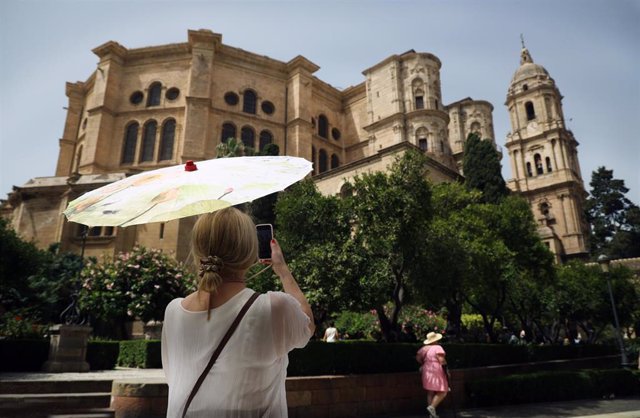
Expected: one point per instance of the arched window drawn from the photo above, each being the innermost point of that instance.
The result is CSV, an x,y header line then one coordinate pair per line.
x,y
148,141
249,102
335,161
419,99
322,161
130,142
228,131
475,128
155,91
78,158
531,112
313,160
265,139
422,143
167,140
421,138
529,173
323,126
548,161
537,160
248,136
544,209
442,146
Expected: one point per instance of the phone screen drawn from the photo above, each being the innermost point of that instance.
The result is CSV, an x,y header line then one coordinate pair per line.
x,y
265,235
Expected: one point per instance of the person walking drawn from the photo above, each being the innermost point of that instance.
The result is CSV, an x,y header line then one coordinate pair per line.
x,y
432,358
331,334
247,379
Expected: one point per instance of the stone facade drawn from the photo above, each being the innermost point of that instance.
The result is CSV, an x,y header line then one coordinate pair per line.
x,y
153,107
544,160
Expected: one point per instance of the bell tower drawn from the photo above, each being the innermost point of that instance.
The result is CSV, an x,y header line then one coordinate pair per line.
x,y
544,159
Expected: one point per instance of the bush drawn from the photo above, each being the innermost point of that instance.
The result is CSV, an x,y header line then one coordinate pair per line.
x,y
356,325
144,354
103,355
553,386
23,355
14,325
140,283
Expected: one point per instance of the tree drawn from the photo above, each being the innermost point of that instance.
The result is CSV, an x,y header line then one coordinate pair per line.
x,y
391,213
614,219
482,171
19,260
233,148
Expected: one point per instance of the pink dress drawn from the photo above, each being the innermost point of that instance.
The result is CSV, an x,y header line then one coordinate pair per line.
x,y
433,377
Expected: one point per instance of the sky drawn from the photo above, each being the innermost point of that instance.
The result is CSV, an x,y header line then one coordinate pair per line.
x,y
589,47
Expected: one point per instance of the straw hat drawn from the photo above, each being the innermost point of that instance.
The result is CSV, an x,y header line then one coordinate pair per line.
x,y
432,337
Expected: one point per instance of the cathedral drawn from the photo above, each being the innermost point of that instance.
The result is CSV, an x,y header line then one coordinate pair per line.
x,y
153,107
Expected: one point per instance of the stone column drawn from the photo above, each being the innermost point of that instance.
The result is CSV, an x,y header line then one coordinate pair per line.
x,y
68,349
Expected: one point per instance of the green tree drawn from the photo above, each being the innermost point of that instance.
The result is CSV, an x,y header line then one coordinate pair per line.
x,y
614,219
19,260
233,148
482,170
391,213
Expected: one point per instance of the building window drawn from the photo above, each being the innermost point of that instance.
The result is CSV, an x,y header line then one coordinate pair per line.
x,y
148,141
136,97
96,231
529,173
323,126
548,161
544,209
442,146
130,142
531,113
435,102
155,90
322,161
268,107
335,161
537,160
231,98
525,87
265,139
172,93
422,143
248,137
228,131
249,101
419,102
167,140
313,160
162,230
335,134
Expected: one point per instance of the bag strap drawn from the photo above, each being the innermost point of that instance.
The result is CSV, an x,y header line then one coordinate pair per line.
x,y
217,351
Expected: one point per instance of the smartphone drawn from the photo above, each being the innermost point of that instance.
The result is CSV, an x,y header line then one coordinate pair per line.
x,y
265,235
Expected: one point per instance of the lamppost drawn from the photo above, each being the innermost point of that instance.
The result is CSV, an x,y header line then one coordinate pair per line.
x,y
604,261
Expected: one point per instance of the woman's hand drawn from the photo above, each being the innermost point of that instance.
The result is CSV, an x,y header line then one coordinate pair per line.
x,y
277,260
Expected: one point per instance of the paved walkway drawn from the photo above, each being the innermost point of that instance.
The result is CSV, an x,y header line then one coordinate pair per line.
x,y
610,408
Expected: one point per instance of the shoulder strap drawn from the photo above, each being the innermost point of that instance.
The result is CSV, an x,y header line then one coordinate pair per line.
x,y
217,351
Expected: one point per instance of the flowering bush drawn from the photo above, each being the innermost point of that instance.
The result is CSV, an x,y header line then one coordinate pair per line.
x,y
357,325
422,321
139,283
15,326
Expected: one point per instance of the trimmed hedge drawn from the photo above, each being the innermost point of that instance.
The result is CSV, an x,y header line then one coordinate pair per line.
x,y
144,354
103,355
553,386
23,355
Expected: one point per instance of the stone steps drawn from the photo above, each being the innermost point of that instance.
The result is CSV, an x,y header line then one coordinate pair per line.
x,y
59,399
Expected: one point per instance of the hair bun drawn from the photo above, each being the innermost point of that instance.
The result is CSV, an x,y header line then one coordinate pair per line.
x,y
211,263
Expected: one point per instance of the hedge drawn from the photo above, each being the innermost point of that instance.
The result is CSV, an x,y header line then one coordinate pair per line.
x,y
102,355
553,386
23,355
144,354
317,358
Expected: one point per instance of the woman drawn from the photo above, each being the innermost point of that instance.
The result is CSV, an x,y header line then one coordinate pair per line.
x,y
248,378
432,357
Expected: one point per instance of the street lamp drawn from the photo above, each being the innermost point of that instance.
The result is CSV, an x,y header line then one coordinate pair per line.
x,y
604,262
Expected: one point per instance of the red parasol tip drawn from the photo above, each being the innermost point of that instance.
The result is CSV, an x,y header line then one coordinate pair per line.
x,y
190,166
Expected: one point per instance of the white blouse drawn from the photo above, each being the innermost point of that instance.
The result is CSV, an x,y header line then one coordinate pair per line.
x,y
248,378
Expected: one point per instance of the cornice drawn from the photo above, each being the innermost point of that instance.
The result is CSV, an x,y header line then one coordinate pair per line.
x,y
101,108
428,112
110,48
468,101
300,63
204,38
354,93
385,121
404,57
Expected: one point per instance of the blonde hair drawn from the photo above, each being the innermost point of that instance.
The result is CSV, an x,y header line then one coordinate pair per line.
x,y
227,236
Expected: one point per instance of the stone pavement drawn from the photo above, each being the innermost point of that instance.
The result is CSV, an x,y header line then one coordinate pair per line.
x,y
610,408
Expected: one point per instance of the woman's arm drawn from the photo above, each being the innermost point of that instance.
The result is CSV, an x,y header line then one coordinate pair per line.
x,y
289,284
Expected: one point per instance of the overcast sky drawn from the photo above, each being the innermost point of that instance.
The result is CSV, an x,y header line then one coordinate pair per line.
x,y
589,47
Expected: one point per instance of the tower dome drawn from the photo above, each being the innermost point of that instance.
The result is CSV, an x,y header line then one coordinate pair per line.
x,y
528,69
